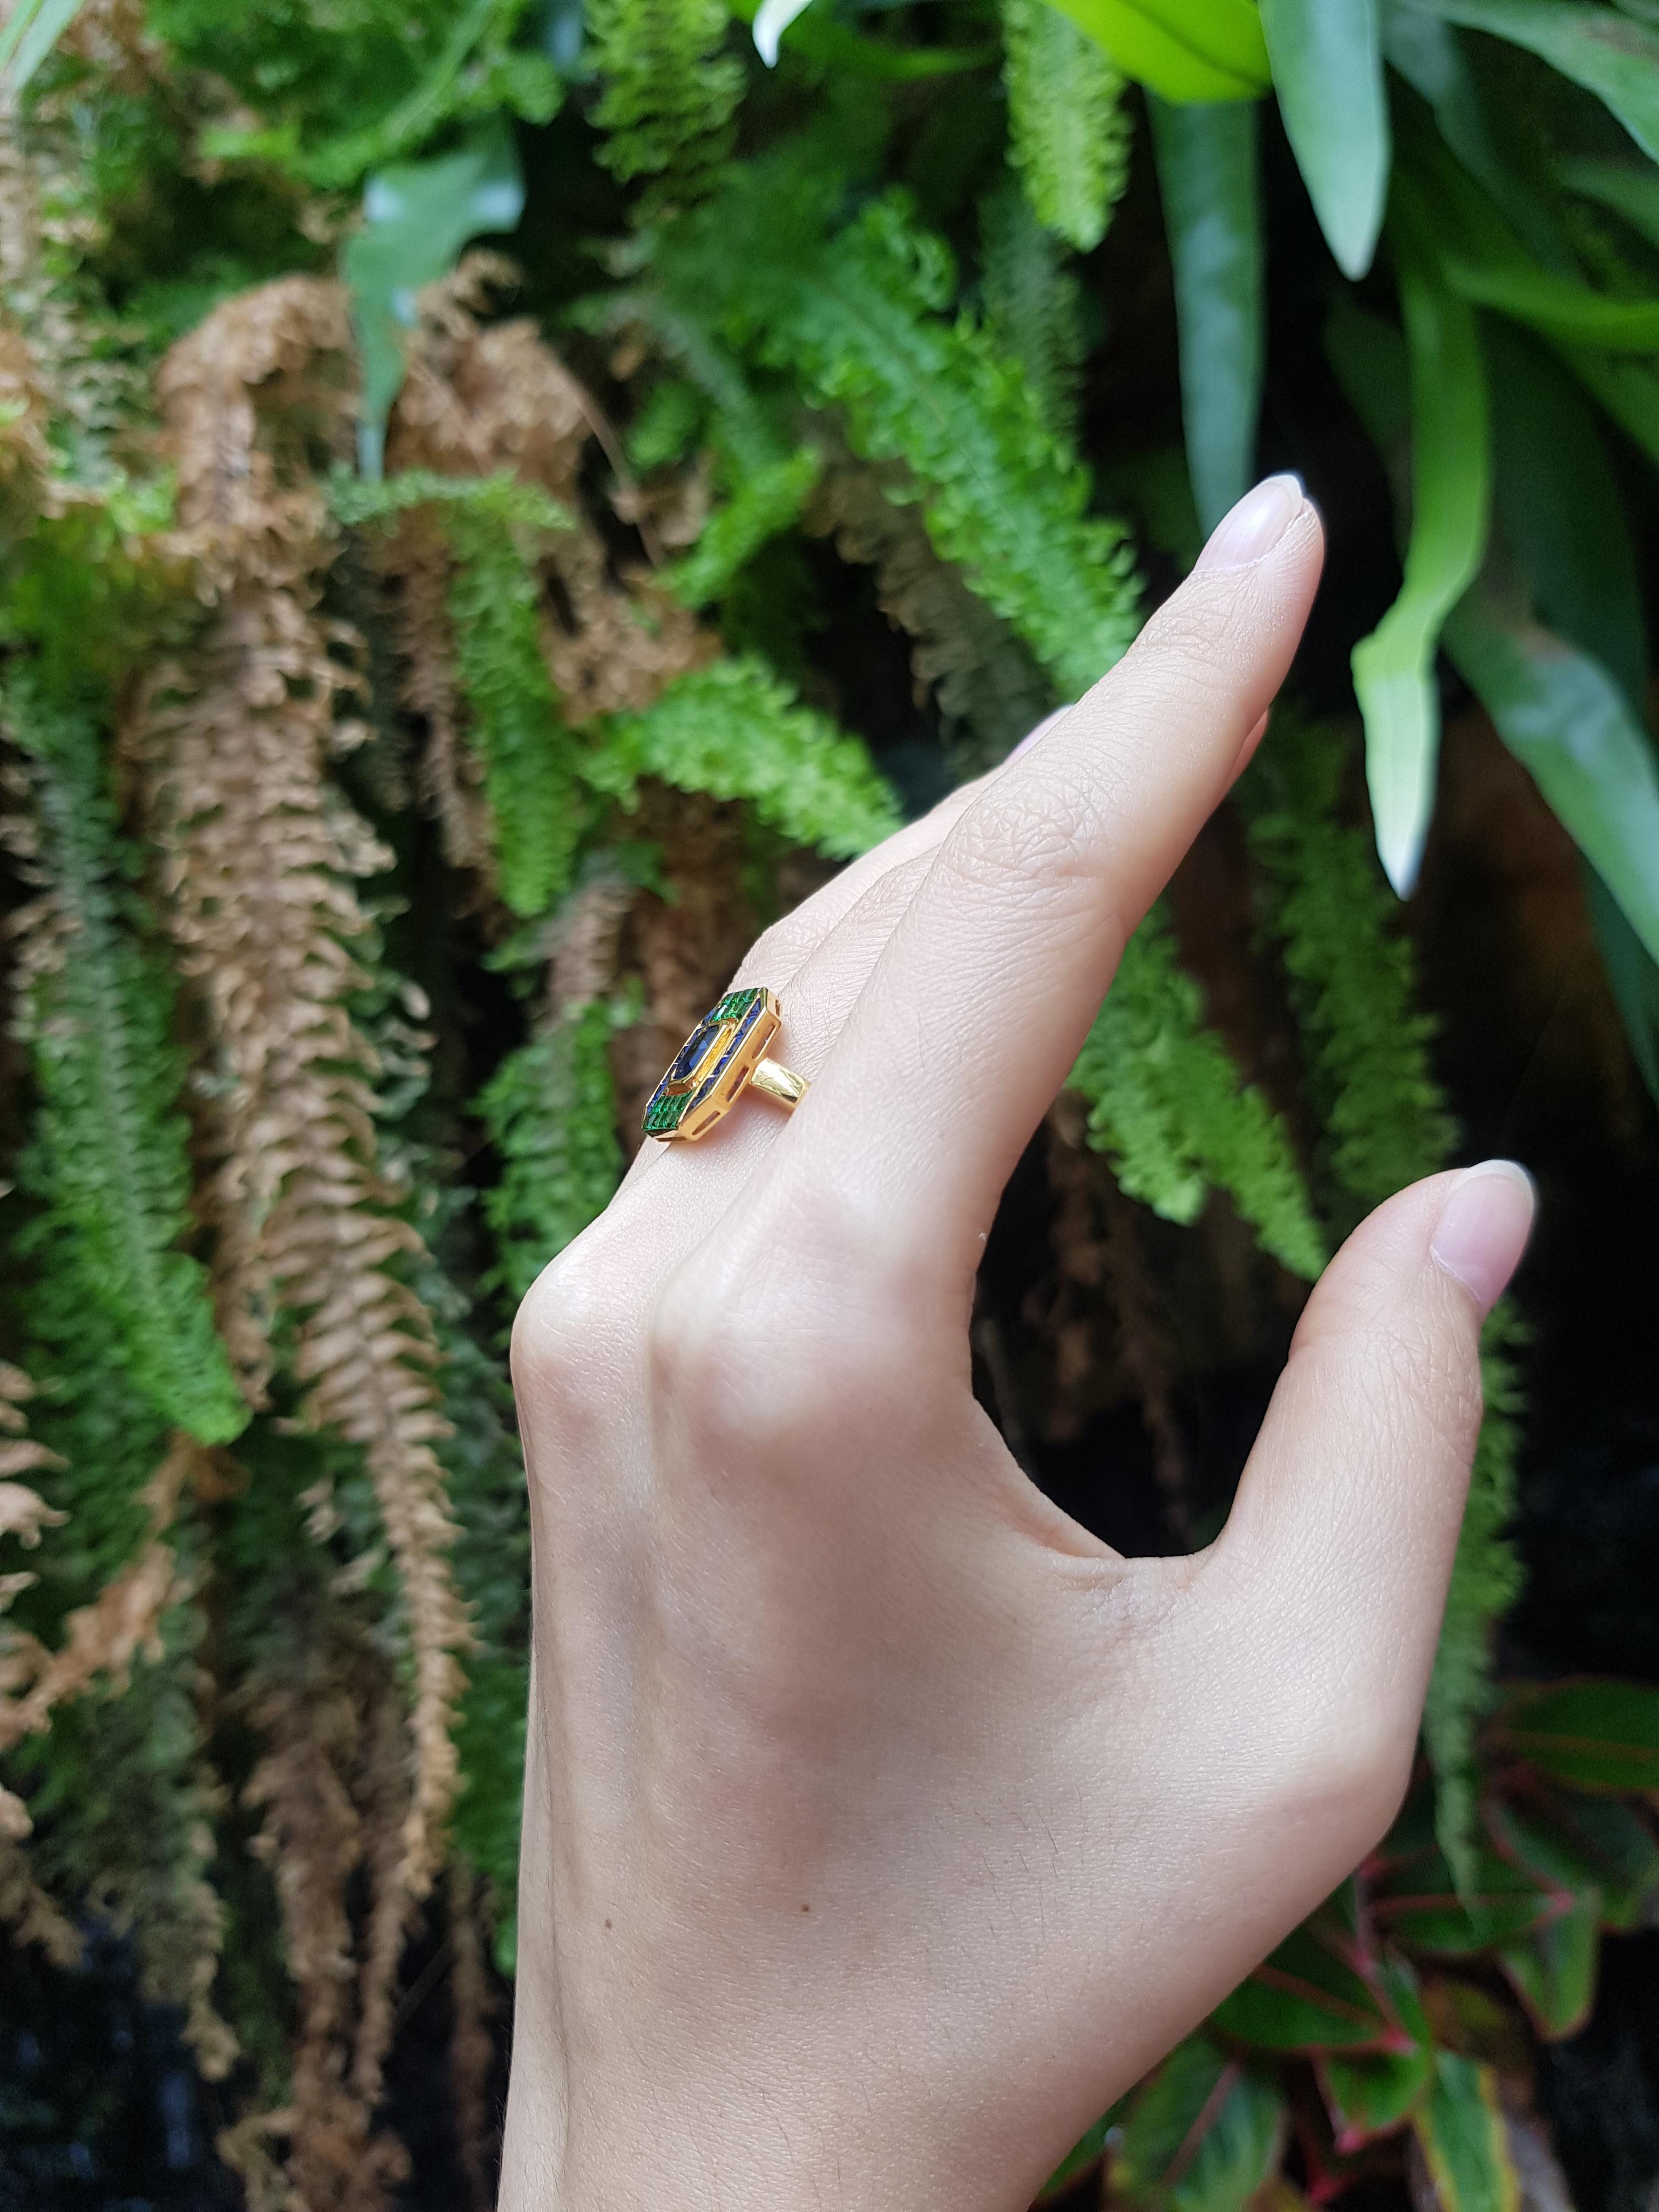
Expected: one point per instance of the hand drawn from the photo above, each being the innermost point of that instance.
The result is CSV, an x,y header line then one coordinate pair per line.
x,y
881,1825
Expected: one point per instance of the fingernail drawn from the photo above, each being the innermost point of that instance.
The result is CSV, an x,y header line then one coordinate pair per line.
x,y
1483,1228
1041,731
1256,525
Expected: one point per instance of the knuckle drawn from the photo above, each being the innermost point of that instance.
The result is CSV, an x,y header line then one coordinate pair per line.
x,y
1047,831
775,1346
570,1318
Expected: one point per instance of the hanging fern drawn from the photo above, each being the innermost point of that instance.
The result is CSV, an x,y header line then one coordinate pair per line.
x,y
1068,131
760,506
491,524
1169,1108
550,1110
735,732
668,94
1353,977
1366,1047
860,323
1033,304
989,688
110,1156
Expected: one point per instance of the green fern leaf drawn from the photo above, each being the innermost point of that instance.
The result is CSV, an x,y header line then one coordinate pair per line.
x,y
761,506
735,732
1068,131
1487,1578
1033,304
669,95
1352,975
1170,1109
109,1153
858,322
491,524
1366,1049
550,1110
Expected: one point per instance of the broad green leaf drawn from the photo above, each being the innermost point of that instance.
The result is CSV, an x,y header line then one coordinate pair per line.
x,y
1371,2093
1394,667
1631,189
1237,2154
1559,511
1327,71
1629,390
31,31
1579,1845
1460,2125
1430,56
416,217
1559,307
1599,48
1165,2109
1554,1970
1568,723
1594,1734
1560,516
1202,2135
1484,255
1307,1996
1415,1902
1633,975
1206,174
1181,49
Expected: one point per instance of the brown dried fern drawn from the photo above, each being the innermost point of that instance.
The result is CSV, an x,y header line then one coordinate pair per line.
x,y
481,400
103,1640
25,1908
312,1837
260,856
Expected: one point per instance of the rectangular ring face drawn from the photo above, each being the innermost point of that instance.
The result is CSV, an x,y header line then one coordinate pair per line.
x,y
712,1067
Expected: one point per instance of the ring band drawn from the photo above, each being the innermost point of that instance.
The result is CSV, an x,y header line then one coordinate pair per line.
x,y
724,1056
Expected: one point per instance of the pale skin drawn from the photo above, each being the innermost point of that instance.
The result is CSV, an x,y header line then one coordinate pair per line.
x,y
881,1824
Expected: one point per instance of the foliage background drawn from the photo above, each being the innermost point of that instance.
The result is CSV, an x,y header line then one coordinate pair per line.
x,y
497,502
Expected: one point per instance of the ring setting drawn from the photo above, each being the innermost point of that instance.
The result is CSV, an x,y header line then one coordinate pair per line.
x,y
724,1056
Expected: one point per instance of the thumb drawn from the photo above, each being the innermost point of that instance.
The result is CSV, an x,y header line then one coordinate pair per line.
x,y
1341,1541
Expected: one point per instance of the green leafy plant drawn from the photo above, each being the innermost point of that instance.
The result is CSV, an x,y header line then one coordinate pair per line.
x,y
421,672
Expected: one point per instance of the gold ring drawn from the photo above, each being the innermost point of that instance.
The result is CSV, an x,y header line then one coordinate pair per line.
x,y
724,1056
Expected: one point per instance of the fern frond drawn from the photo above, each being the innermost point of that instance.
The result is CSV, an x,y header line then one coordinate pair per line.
x,y
668,96
1487,1578
495,606
759,508
733,730
1367,1039
1068,129
550,1110
321,1707
1169,1108
1033,303
858,324
97,1713
1367,1055
261,859
984,678
109,1153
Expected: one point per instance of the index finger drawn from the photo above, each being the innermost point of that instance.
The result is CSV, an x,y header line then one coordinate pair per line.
x,y
972,1017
